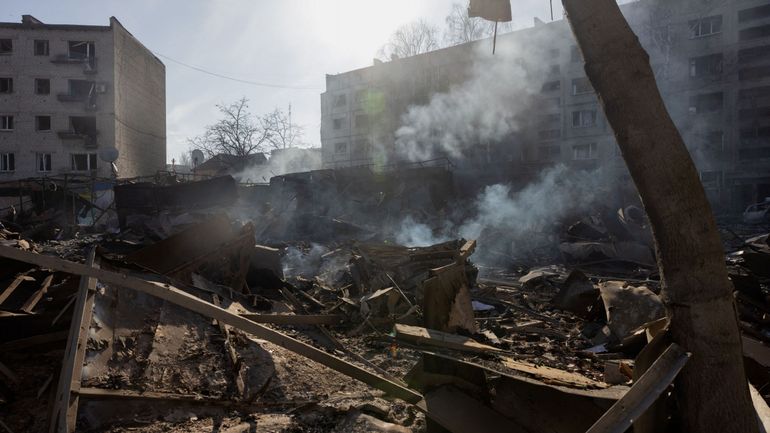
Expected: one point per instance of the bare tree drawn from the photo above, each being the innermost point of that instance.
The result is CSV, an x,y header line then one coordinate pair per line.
x,y
283,133
411,39
460,28
185,159
238,133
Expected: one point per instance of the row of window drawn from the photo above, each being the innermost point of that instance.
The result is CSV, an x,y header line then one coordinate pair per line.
x,y
360,121
8,123
41,47
44,162
42,86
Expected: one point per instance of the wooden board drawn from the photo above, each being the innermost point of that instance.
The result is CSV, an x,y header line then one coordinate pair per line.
x,y
553,376
430,337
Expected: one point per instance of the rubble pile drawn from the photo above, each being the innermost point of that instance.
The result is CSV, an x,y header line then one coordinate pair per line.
x,y
180,321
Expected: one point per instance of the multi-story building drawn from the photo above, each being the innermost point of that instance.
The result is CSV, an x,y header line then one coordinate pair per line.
x,y
711,59
70,95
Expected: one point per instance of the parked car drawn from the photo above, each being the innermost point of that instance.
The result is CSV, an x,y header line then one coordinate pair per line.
x,y
757,212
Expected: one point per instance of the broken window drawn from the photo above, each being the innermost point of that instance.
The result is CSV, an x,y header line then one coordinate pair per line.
x,y
551,86
80,87
706,65
7,162
42,123
83,125
6,46
83,161
549,134
548,153
41,47
756,13
6,85
6,123
581,86
706,103
43,162
341,147
42,86
748,55
706,26
754,33
583,118
584,151
341,100
81,49
337,123
362,120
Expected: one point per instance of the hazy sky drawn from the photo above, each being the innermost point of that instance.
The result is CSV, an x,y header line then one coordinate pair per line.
x,y
283,42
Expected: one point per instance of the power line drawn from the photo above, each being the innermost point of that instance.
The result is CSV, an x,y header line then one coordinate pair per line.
x,y
253,83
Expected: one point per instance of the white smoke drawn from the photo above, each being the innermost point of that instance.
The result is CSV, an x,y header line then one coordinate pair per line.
x,y
284,161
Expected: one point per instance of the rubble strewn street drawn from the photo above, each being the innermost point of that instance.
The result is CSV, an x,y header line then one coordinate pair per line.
x,y
92,352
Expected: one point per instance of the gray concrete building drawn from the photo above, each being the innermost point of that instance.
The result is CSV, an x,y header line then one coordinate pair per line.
x,y
71,93
712,61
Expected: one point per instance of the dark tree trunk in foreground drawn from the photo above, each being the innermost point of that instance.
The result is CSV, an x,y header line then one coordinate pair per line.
x,y
711,391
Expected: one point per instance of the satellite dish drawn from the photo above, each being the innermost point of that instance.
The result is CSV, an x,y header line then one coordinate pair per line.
x,y
109,154
197,157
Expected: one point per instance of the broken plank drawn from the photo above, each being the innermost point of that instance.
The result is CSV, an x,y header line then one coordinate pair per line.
x,y
553,376
186,300
30,303
296,319
65,404
643,393
431,337
14,285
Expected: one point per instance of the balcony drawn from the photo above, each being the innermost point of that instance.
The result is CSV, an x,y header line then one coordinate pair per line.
x,y
89,140
89,62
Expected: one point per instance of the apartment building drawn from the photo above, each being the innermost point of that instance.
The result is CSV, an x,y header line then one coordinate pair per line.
x,y
71,95
711,59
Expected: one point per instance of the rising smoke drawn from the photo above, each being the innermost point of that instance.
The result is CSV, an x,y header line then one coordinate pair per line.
x,y
292,160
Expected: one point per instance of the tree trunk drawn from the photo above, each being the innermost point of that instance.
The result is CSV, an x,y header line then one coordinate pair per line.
x,y
711,391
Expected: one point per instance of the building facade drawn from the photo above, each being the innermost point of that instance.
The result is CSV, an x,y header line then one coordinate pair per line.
x,y
711,59
70,95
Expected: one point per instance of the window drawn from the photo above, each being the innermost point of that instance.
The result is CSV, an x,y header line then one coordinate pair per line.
x,y
6,85
42,123
6,123
362,120
575,55
337,123
756,13
548,153
80,87
6,46
581,86
554,70
549,134
551,86
341,100
748,55
42,86
553,53
41,47
361,147
754,33
753,73
550,118
553,102
361,95
706,26
7,162
583,118
713,142
584,151
81,49
43,162
83,161
706,65
711,179
340,148
706,103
